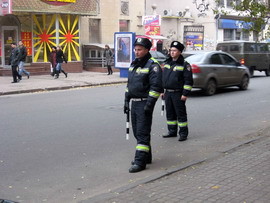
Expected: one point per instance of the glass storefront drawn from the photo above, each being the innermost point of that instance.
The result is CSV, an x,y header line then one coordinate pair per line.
x,y
39,32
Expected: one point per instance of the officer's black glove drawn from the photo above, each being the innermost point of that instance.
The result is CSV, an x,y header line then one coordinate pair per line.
x,y
126,107
148,109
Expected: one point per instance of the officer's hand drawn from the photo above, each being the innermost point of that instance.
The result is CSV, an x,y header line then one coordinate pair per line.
x,y
162,96
148,110
126,107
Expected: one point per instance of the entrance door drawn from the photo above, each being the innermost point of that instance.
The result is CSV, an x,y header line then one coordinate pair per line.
x,y
9,35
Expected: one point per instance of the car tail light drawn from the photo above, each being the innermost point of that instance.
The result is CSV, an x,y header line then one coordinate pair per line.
x,y
242,61
195,68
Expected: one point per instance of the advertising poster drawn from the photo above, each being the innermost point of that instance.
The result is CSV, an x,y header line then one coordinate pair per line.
x,y
26,38
152,30
151,20
123,45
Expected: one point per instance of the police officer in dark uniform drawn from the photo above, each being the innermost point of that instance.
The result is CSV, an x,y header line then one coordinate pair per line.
x,y
143,89
177,81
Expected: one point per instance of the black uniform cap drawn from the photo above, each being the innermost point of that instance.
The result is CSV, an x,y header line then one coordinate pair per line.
x,y
143,42
178,45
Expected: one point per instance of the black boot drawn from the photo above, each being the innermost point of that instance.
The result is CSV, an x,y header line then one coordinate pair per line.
x,y
169,135
136,168
64,73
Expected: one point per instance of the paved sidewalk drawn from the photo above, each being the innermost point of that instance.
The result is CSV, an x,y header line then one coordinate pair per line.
x,y
241,175
48,83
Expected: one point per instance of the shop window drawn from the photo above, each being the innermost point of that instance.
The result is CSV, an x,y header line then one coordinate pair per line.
x,y
69,36
255,36
238,35
123,25
246,35
94,30
43,36
228,34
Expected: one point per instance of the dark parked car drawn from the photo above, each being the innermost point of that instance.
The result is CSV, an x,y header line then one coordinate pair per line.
x,y
216,69
160,57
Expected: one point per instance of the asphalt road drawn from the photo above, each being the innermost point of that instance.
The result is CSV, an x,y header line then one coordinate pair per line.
x,y
67,146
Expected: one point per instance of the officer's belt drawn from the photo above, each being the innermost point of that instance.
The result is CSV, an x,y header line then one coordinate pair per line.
x,y
170,90
138,99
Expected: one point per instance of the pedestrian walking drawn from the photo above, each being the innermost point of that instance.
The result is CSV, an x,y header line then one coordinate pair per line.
x,y
143,89
108,59
177,82
53,61
60,58
14,62
23,54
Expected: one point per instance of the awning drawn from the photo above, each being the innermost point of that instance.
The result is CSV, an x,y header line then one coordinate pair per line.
x,y
81,7
156,37
97,45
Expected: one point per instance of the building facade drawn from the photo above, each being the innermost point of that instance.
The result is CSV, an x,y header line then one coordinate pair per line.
x,y
195,24
41,24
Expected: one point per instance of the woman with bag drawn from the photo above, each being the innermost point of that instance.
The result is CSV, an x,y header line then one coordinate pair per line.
x,y
60,58
108,59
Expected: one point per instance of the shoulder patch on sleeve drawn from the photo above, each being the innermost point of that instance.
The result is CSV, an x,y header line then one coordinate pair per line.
x,y
156,69
188,67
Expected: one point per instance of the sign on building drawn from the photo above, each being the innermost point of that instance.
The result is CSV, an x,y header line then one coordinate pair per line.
x,y
5,7
152,24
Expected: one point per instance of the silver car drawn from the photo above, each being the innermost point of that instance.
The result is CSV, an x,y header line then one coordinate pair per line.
x,y
216,69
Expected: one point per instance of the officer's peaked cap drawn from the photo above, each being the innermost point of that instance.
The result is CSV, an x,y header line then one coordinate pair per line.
x,y
143,42
178,45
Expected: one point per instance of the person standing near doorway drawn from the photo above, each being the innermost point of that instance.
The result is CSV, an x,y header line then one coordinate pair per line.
x,y
108,59
23,54
14,62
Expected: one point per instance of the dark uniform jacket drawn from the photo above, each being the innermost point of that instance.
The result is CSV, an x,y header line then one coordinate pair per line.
x,y
144,80
177,75
23,53
14,59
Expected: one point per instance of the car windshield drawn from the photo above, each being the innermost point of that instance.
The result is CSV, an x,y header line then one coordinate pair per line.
x,y
194,58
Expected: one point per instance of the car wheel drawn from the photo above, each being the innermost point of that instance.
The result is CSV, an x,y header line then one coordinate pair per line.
x,y
267,72
210,88
251,71
244,83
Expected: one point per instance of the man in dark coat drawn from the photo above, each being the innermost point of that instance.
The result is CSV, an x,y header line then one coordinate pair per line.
x,y
23,54
177,81
14,62
143,89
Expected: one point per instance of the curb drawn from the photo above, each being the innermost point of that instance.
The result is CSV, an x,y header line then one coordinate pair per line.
x,y
260,135
59,88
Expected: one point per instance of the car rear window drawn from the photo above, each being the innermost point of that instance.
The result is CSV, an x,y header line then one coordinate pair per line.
x,y
194,58
215,59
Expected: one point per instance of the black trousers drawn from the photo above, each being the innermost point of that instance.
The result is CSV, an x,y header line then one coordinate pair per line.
x,y
109,67
15,73
141,126
176,114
